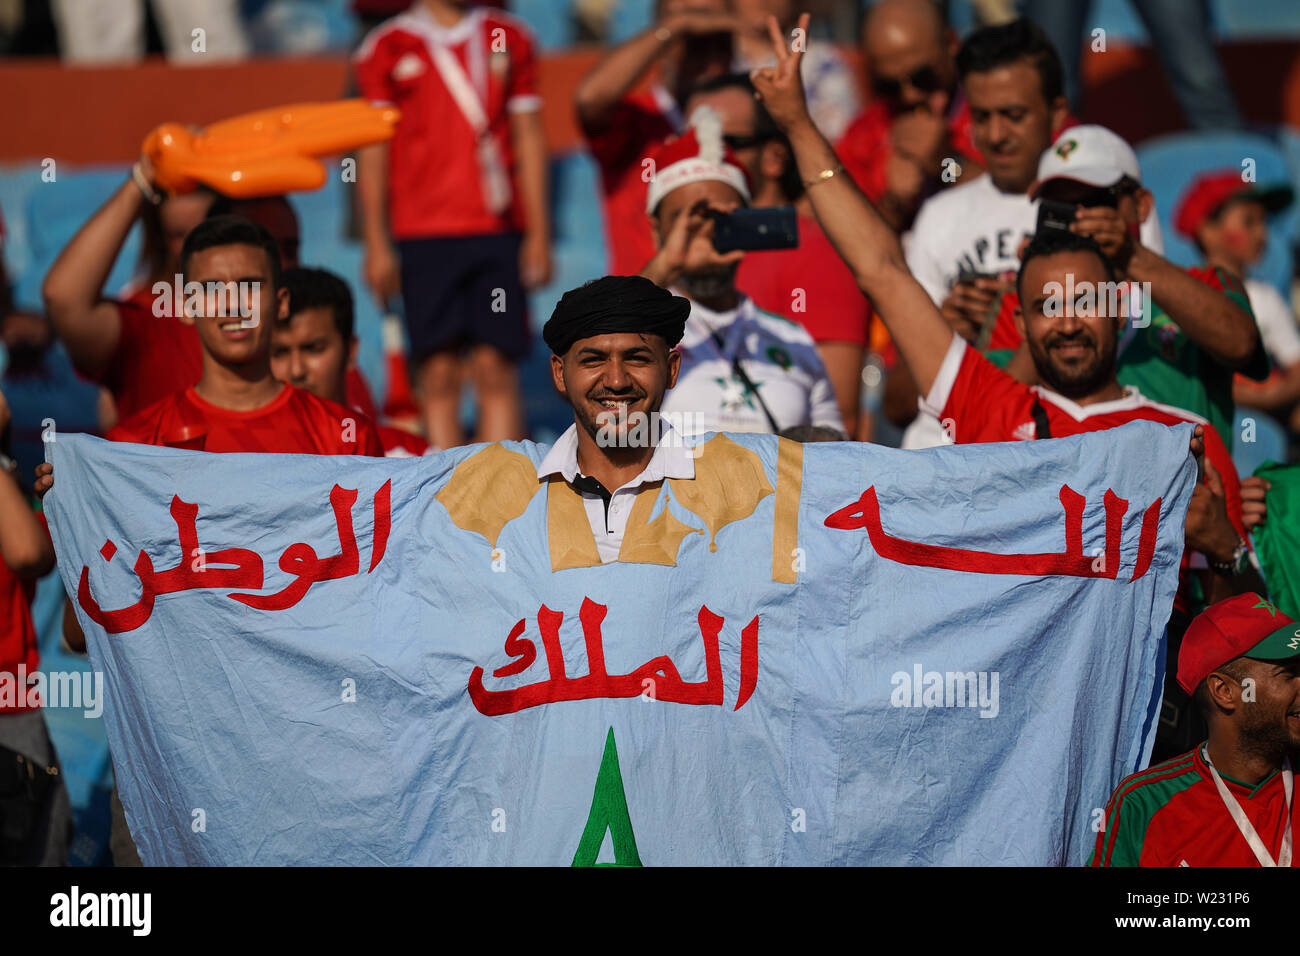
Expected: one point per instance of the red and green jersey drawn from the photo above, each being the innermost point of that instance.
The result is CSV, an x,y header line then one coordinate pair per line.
x,y
1168,367
1171,815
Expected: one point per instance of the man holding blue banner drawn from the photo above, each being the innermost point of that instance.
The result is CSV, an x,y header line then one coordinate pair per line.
x,y
742,650
436,660
612,360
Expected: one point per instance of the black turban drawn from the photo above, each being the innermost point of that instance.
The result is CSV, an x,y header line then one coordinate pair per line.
x,y
616,304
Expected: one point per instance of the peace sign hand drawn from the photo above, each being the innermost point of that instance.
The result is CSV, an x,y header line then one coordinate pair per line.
x,y
780,87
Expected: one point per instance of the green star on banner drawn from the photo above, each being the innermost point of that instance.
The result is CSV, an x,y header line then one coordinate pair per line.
x,y
608,813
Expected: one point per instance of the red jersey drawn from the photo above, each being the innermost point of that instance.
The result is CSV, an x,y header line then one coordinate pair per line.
x,y
17,635
435,181
636,127
982,403
1172,815
866,145
809,285
399,443
155,356
358,393
294,422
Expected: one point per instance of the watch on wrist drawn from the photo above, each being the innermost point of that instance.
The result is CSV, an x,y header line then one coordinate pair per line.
x,y
1235,565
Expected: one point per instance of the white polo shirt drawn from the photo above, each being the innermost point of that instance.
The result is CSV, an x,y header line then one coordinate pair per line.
x,y
780,359
671,459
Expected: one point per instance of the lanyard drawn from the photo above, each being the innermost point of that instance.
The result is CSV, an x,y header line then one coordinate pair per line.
x,y
738,370
1244,825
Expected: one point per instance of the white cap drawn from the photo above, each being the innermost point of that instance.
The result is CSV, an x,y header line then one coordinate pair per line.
x,y
1092,155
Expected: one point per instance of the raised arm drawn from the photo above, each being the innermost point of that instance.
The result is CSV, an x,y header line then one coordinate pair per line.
x,y
73,289
1208,316
529,140
24,545
615,76
861,237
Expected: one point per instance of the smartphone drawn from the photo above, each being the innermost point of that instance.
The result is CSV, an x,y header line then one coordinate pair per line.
x,y
1054,216
990,318
968,276
772,227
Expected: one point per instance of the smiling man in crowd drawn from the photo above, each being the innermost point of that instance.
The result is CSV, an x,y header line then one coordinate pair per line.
x,y
612,360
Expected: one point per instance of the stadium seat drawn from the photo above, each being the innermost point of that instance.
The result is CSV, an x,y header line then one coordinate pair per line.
x,y
54,213
1270,442
1170,163
550,20
630,18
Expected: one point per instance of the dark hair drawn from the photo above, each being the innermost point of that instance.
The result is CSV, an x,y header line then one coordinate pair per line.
x,y
153,243
230,206
317,289
991,47
813,433
1059,240
765,129
231,231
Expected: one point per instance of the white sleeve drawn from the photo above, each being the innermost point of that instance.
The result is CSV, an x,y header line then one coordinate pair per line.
x,y
1277,325
933,404
919,249
823,409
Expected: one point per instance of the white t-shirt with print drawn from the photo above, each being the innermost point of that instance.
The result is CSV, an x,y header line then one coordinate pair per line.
x,y
779,358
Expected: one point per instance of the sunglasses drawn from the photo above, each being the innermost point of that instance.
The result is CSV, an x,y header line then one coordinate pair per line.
x,y
736,142
924,80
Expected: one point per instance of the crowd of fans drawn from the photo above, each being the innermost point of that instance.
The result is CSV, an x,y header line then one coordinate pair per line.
x,y
932,223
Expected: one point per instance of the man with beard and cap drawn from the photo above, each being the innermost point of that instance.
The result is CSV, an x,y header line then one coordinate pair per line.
x,y
612,360
742,369
1229,801
1073,349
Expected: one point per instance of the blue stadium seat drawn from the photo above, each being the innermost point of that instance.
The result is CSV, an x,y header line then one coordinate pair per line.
x,y
1270,442
575,198
1170,163
551,21
54,213
630,18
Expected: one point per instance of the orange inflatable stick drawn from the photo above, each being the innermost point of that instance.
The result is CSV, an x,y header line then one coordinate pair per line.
x,y
266,152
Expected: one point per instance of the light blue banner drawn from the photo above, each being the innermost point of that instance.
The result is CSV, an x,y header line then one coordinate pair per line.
x,y
833,653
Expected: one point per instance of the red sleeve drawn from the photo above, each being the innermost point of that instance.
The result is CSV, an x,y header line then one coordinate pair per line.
x,y
523,69
130,327
977,401
372,65
1216,453
624,137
